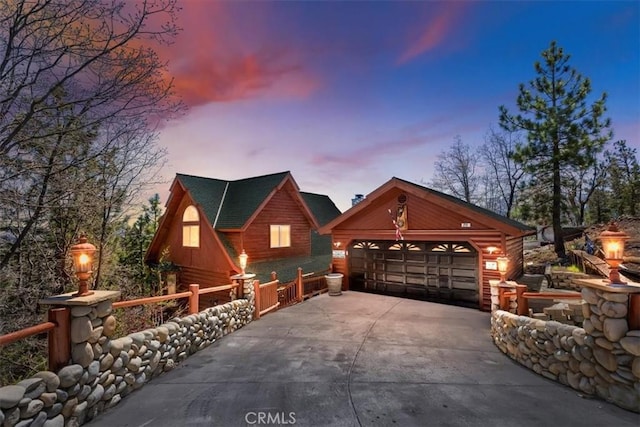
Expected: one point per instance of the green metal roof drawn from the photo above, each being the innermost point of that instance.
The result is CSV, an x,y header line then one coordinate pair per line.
x,y
287,268
207,192
229,204
321,206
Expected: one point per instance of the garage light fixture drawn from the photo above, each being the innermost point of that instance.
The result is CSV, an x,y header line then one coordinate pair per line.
x,y
613,247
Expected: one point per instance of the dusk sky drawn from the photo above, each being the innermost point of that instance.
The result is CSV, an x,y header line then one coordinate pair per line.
x,y
346,95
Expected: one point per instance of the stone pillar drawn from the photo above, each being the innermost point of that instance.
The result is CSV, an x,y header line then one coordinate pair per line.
x,y
495,294
91,323
249,293
616,347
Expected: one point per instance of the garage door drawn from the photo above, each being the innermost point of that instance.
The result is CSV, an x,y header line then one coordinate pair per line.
x,y
435,271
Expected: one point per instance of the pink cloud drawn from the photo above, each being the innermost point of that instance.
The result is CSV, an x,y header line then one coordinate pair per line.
x,y
213,60
435,31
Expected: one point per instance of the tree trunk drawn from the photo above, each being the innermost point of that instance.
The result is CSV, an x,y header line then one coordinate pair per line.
x,y
558,239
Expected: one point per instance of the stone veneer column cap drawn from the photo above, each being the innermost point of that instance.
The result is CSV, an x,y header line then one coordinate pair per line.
x,y
507,284
600,284
69,300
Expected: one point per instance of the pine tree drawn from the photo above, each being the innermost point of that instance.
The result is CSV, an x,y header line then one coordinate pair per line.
x,y
563,130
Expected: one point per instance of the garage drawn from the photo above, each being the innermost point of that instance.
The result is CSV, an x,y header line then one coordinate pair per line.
x,y
434,271
407,240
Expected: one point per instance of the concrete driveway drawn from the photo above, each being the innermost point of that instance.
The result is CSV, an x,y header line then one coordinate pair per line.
x,y
359,360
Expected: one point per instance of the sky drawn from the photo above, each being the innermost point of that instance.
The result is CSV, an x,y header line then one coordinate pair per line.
x,y
347,95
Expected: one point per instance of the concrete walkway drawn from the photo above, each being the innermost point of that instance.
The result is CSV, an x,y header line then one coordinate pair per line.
x,y
359,360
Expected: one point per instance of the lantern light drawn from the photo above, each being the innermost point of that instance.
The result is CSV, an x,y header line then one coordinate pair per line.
x,y
243,261
613,247
503,263
82,254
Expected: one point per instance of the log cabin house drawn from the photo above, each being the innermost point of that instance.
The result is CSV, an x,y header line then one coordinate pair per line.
x,y
208,222
407,240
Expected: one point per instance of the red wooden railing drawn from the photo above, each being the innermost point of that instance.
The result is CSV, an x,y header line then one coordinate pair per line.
x,y
266,297
58,324
58,331
287,294
522,297
314,286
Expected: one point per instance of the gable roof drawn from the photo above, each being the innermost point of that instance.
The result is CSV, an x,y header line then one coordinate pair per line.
x,y
230,204
321,206
508,225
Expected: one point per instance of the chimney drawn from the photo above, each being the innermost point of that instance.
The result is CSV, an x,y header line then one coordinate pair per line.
x,y
357,199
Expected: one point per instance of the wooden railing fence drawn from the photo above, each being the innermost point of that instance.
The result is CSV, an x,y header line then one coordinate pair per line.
x,y
266,297
314,286
305,286
58,324
287,294
522,297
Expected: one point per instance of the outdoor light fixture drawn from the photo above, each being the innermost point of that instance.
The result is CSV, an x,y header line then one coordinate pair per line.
x,y
613,247
82,254
243,261
491,249
503,263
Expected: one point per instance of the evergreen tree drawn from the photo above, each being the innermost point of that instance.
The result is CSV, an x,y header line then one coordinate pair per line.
x,y
135,242
563,130
624,178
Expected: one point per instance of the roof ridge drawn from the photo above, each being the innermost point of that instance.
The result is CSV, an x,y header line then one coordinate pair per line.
x,y
314,194
233,180
261,176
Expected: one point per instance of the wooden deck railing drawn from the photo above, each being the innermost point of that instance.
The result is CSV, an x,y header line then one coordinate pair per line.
x,y
522,298
287,294
314,286
58,324
266,297
58,329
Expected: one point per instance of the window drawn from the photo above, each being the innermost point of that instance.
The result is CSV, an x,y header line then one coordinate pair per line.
x,y
191,227
280,236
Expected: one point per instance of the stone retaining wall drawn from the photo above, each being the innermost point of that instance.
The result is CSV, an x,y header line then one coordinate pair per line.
x,y
104,369
562,279
600,359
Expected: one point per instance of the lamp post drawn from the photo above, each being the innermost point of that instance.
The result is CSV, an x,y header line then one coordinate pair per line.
x,y
503,263
613,247
82,254
243,257
242,260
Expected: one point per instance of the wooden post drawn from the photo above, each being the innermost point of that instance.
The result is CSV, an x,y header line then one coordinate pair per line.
x,y
194,298
256,290
523,303
240,289
634,312
274,276
59,338
504,300
299,285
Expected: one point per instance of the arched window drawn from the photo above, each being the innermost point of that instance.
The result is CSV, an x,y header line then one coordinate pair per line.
x,y
191,227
